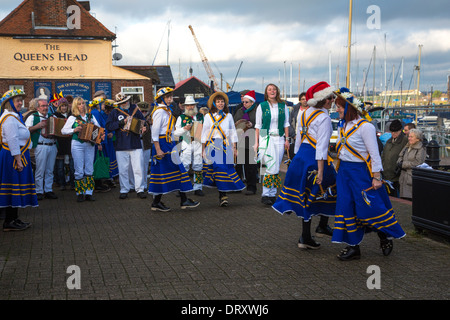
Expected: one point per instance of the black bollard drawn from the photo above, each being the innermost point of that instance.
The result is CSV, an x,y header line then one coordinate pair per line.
x,y
433,153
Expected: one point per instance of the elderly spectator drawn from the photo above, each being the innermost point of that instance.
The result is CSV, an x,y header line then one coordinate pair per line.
x,y
390,155
411,156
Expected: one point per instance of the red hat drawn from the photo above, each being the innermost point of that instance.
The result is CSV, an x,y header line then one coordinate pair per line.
x,y
250,95
318,92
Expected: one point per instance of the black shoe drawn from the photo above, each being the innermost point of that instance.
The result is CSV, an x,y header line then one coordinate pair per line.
x,y
142,195
189,203
102,188
266,201
386,246
123,196
80,198
199,193
160,207
40,196
320,232
16,225
250,192
350,253
308,244
51,195
89,197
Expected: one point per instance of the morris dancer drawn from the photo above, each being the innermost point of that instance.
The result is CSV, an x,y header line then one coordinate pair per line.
x,y
363,204
191,148
17,188
219,140
310,175
83,152
271,132
167,173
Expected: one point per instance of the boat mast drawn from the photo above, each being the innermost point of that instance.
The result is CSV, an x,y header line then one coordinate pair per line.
x,y
349,43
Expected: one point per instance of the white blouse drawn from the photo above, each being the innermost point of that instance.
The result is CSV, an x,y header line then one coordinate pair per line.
x,y
160,120
14,133
364,140
273,118
227,125
320,129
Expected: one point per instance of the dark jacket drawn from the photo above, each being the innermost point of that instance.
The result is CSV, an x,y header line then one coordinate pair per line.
x,y
125,140
252,115
390,154
64,144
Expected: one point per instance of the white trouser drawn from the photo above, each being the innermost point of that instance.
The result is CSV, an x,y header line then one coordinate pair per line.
x,y
124,160
83,154
191,156
272,157
45,164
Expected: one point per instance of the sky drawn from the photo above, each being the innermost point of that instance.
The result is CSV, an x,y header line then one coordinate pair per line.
x,y
291,43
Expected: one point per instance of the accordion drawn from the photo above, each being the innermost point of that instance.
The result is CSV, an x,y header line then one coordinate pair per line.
x,y
91,133
134,125
54,126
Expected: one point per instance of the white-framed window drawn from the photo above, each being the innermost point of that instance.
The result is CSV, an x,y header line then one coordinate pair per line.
x,y
16,87
136,92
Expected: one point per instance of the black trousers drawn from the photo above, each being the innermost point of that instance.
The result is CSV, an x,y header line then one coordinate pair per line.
x,y
11,214
250,168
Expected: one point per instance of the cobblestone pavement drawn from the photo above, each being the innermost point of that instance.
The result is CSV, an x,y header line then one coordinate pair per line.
x,y
244,252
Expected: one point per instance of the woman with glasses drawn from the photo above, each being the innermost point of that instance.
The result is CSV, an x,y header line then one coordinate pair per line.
x,y
309,187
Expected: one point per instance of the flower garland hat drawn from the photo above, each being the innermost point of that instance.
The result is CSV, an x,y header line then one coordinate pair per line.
x,y
351,100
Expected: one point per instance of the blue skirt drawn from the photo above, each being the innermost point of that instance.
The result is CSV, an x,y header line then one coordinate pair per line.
x,y
300,194
168,174
355,216
221,173
17,189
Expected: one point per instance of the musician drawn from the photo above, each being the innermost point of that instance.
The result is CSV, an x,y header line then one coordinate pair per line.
x,y
363,204
219,144
16,175
167,173
127,145
83,152
191,149
45,151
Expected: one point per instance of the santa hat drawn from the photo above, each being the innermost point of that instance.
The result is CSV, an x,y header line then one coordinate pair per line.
x,y
250,95
318,92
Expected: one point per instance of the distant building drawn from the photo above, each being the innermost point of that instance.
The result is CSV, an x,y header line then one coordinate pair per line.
x,y
191,87
53,46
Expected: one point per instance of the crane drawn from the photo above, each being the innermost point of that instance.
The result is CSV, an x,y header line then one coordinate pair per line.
x,y
205,61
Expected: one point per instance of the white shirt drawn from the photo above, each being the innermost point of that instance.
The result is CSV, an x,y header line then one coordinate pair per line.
x,y
364,140
227,126
180,131
319,129
298,129
160,119
14,133
273,118
68,127
29,123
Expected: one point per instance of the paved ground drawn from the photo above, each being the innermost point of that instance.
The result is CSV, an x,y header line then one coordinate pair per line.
x,y
243,252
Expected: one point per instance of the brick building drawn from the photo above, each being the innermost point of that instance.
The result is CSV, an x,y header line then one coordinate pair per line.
x,y
53,46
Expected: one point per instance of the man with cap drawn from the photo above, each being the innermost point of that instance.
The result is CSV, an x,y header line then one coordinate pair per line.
x,y
127,145
167,173
45,150
191,146
390,154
